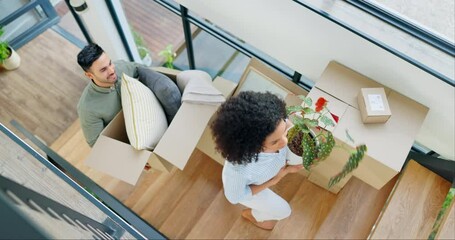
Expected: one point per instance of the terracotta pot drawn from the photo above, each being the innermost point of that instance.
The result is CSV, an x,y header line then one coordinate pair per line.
x,y
13,62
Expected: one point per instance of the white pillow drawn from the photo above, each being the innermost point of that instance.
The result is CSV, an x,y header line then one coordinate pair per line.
x,y
145,120
184,77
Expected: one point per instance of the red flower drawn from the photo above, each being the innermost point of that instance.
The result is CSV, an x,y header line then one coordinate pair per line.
x,y
320,104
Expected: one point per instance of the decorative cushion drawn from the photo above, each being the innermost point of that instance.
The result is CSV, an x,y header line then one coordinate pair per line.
x,y
184,77
145,121
164,89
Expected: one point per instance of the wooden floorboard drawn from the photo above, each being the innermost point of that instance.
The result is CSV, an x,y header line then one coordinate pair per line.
x,y
414,205
355,211
43,92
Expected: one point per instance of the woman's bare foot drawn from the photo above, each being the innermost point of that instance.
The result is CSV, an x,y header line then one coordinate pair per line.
x,y
267,225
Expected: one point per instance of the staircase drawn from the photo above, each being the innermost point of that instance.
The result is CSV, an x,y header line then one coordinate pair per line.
x,y
191,203
413,206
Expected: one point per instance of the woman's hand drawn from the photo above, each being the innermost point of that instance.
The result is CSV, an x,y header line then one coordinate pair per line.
x,y
284,171
273,181
294,168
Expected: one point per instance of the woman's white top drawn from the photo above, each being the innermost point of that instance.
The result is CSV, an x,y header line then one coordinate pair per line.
x,y
237,178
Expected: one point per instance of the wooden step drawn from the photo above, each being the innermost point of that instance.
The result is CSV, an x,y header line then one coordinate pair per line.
x,y
413,206
355,211
191,203
447,228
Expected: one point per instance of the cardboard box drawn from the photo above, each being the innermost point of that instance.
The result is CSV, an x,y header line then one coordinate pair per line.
x,y
345,83
373,105
388,143
113,155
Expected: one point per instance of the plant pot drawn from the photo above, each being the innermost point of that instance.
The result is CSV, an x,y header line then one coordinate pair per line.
x,y
13,62
146,58
293,158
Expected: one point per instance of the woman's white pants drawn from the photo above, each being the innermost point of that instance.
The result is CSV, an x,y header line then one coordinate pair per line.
x,y
267,205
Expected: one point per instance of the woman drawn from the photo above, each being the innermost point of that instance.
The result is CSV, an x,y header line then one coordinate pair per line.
x,y
250,133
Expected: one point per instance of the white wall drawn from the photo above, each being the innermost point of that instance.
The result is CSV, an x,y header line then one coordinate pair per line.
x,y
101,28
306,42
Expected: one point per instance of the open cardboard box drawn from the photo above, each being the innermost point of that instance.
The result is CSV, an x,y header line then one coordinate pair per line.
x,y
113,155
388,143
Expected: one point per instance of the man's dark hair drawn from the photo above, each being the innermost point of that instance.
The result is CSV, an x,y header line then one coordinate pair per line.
x,y
243,122
88,55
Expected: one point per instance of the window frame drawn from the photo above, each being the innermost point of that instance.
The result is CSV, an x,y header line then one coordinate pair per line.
x,y
405,25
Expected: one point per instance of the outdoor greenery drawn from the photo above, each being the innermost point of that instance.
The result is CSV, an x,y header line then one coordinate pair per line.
x,y
5,51
310,138
140,43
169,56
447,203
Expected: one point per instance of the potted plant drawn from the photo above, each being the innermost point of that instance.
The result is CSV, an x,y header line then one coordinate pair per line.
x,y
312,142
144,52
9,59
169,56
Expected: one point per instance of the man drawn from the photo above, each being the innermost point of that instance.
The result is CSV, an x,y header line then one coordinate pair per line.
x,y
101,99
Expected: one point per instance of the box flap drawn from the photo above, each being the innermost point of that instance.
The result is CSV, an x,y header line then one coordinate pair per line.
x,y
226,87
117,159
334,105
116,128
344,83
182,136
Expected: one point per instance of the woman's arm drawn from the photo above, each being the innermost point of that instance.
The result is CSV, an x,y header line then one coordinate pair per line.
x,y
283,172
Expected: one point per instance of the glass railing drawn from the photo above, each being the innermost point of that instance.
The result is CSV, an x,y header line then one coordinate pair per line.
x,y
39,179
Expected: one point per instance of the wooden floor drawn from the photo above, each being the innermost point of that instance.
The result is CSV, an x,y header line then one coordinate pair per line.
x,y
191,203
43,93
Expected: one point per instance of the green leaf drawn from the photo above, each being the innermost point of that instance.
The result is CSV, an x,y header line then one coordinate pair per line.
x,y
308,101
324,148
327,121
292,133
308,110
309,151
302,97
353,163
296,119
293,109
311,123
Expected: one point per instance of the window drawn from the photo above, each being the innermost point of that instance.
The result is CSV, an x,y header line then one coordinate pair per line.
x,y
395,32
436,17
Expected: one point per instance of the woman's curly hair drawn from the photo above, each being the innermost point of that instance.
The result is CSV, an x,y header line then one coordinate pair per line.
x,y
243,122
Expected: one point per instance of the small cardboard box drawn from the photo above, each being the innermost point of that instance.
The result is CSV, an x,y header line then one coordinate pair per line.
x,y
113,154
373,105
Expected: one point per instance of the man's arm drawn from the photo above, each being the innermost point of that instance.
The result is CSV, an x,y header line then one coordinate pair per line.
x,y
91,127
